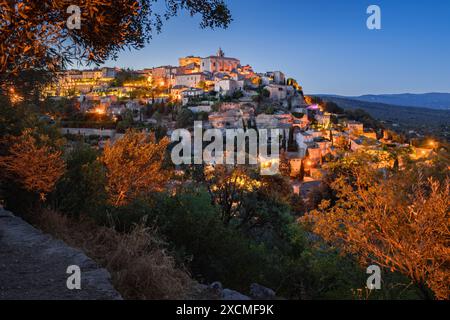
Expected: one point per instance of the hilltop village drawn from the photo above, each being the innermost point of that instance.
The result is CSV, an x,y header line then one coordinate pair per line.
x,y
90,159
224,94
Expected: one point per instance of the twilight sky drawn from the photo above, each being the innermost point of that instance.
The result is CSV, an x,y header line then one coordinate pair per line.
x,y
324,44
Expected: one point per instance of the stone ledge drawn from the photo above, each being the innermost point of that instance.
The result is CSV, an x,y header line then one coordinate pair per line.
x,y
33,266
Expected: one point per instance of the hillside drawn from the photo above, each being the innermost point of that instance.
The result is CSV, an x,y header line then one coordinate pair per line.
x,y
403,118
440,101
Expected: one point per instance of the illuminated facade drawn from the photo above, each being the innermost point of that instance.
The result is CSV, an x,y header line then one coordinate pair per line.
x,y
219,63
189,80
183,62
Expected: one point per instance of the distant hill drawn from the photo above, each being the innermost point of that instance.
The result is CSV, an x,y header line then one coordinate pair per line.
x,y
439,101
424,120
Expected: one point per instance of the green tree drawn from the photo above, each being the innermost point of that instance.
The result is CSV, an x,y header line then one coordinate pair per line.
x,y
127,121
82,189
202,85
185,118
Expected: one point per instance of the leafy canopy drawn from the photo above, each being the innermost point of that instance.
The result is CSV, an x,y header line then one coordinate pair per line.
x,y
34,34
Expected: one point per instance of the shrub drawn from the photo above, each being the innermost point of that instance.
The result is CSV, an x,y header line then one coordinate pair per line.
x,y
82,188
194,231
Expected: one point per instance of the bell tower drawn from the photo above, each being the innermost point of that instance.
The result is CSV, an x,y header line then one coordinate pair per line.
x,y
220,53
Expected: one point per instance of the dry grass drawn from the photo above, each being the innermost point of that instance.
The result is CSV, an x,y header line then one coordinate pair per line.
x,y
139,265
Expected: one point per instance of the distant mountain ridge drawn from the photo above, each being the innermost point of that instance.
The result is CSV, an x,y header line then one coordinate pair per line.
x,y
434,100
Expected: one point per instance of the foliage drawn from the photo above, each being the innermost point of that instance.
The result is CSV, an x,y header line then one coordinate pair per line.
x,y
82,189
399,222
332,107
237,95
191,226
33,163
202,85
185,118
124,76
14,119
134,167
258,207
28,41
126,122
62,108
140,266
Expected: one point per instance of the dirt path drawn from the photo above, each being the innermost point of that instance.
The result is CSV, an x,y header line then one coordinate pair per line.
x,y
33,266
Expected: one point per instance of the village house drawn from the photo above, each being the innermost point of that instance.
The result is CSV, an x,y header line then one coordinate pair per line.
x,y
323,119
201,108
176,91
422,153
280,92
231,119
110,73
371,134
228,86
363,143
295,162
92,74
164,75
189,80
246,72
301,123
355,128
188,94
324,145
190,60
192,93
301,139
225,106
276,77
314,153
274,121
189,69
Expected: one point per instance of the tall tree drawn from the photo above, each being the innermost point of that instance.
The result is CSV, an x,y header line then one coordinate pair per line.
x,y
35,34
248,202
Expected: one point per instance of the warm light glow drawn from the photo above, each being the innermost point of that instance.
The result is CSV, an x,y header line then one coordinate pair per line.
x,y
15,97
99,111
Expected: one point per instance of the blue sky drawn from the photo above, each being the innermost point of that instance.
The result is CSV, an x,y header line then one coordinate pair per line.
x,y
324,44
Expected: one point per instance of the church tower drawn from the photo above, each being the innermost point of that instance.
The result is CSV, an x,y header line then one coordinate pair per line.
x,y
220,53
